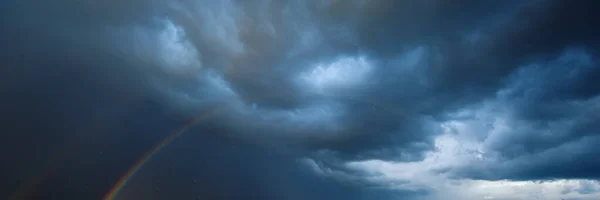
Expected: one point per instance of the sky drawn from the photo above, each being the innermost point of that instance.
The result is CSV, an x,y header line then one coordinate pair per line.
x,y
293,99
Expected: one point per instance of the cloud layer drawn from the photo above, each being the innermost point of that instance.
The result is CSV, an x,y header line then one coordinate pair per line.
x,y
344,86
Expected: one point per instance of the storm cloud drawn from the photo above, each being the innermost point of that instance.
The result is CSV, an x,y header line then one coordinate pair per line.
x,y
336,87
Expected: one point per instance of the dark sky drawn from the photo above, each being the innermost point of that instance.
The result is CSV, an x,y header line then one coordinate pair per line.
x,y
356,99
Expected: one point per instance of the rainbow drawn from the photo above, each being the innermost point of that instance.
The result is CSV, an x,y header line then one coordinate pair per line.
x,y
114,191
112,194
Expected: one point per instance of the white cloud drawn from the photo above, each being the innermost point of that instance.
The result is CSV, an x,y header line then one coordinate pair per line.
x,y
343,73
452,150
175,51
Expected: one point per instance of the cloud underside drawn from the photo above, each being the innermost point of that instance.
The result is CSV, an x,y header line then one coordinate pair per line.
x,y
342,84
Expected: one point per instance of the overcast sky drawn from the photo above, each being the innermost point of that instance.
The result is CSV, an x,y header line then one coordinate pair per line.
x,y
332,99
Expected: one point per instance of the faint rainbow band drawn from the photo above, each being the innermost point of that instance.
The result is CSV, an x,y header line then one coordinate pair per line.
x,y
112,194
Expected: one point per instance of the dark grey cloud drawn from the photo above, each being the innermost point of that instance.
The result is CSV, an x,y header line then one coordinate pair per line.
x,y
547,127
557,96
542,118
360,79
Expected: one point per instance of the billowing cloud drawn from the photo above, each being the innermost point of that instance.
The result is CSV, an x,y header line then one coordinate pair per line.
x,y
544,119
341,73
410,99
